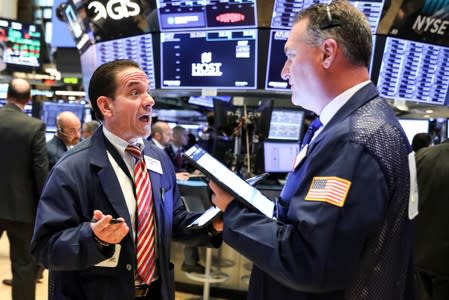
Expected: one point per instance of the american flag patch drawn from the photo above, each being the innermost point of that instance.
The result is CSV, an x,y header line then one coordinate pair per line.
x,y
332,190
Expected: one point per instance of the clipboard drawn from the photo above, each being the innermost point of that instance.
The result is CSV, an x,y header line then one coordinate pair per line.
x,y
229,181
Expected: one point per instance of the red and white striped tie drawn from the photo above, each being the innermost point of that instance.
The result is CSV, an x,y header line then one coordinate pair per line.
x,y
146,254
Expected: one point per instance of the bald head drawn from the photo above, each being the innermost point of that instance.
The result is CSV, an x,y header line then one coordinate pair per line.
x,y
19,91
69,128
162,133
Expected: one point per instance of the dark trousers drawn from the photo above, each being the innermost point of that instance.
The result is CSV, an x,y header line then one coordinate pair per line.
x,y
154,292
22,264
431,287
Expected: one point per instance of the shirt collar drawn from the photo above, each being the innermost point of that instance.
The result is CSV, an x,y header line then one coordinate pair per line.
x,y
334,106
119,143
159,145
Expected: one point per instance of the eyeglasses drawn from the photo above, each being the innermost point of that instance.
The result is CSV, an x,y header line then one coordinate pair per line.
x,y
330,22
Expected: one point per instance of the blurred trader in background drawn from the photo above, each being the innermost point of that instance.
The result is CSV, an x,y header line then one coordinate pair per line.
x,y
432,234
23,170
421,140
343,230
68,134
89,128
89,256
162,136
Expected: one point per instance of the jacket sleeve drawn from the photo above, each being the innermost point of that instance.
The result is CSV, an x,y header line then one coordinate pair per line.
x,y
62,240
40,159
318,246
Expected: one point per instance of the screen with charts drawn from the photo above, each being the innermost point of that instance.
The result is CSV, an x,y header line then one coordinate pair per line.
x,y
414,71
285,11
286,124
276,61
413,126
138,48
221,59
279,157
20,44
210,14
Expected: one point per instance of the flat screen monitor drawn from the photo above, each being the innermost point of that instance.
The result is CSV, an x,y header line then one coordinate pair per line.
x,y
286,124
285,11
279,157
414,126
50,110
414,71
211,14
138,48
207,101
276,61
219,59
20,45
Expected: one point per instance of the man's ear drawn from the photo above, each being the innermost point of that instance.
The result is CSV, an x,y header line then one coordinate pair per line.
x,y
104,104
329,50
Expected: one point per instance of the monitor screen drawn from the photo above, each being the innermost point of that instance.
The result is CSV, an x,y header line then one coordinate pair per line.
x,y
285,11
211,14
286,125
279,157
414,126
138,48
20,44
50,110
276,61
220,59
414,71
207,101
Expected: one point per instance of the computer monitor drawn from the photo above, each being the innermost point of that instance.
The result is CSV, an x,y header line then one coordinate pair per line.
x,y
279,157
50,110
286,124
414,126
202,59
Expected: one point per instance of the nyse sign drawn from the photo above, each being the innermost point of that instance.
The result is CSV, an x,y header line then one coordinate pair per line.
x,y
114,9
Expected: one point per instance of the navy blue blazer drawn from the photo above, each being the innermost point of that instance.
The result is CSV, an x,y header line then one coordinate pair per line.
x,y
318,250
55,150
83,180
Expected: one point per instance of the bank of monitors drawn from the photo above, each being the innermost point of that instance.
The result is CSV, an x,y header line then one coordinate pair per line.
x,y
20,45
211,14
50,110
414,126
138,48
201,59
414,71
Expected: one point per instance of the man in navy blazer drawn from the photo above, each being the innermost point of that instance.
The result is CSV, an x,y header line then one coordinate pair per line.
x,y
342,230
90,257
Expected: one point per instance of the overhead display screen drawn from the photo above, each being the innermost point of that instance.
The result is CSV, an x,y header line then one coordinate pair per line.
x,y
414,71
276,61
285,11
20,43
210,14
221,59
138,48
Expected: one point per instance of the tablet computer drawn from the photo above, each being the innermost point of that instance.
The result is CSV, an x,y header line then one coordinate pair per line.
x,y
229,181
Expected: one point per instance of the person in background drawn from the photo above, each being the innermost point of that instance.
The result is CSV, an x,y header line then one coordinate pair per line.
x,y
162,136
421,140
23,170
89,128
432,237
111,206
342,229
68,134
176,148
